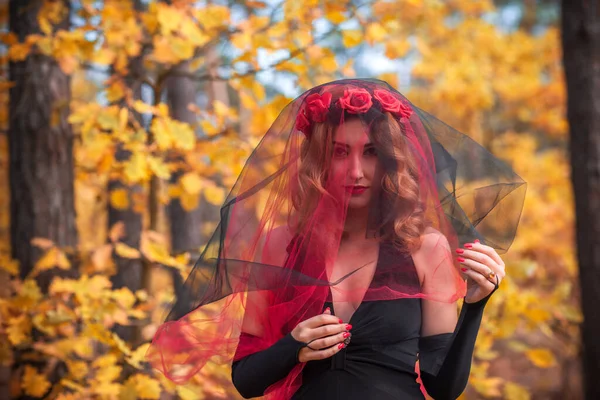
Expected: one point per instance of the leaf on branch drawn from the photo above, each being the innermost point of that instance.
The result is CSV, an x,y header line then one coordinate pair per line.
x,y
126,252
119,199
34,383
53,258
191,183
542,358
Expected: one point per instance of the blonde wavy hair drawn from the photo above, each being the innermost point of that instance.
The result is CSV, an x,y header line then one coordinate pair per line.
x,y
399,188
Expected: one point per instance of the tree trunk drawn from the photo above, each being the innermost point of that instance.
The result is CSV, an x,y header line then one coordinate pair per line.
x,y
40,147
41,162
185,225
128,271
581,52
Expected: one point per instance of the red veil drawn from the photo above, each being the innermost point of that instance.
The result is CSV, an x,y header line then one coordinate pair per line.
x,y
270,263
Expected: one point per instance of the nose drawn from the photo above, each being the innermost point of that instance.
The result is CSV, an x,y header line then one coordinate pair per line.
x,y
355,169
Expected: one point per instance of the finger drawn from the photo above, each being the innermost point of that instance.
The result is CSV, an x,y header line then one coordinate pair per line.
x,y
311,355
321,319
328,330
322,343
480,279
481,258
482,269
327,311
489,251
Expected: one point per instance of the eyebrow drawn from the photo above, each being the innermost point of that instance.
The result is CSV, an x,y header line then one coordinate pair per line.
x,y
346,145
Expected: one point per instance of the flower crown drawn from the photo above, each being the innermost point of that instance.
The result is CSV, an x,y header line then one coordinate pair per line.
x,y
354,101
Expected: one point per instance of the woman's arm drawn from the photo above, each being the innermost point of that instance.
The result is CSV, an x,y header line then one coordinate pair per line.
x,y
445,359
447,342
253,374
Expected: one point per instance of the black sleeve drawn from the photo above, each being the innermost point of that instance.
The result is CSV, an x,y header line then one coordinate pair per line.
x,y
253,374
445,359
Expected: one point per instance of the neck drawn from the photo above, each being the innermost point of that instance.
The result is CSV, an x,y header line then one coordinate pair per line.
x,y
355,226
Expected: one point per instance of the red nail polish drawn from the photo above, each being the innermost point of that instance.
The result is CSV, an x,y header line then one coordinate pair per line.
x,y
341,321
476,240
459,251
341,346
346,334
468,245
348,327
463,269
327,309
460,259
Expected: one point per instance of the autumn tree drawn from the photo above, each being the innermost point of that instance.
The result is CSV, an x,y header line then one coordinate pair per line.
x,y
41,165
581,49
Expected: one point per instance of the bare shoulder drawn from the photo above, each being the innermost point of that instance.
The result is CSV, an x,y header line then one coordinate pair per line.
x,y
434,247
271,250
274,244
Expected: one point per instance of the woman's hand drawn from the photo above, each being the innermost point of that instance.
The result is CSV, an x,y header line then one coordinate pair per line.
x,y
324,335
483,267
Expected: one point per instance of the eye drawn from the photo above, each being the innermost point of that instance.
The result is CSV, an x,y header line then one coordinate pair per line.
x,y
371,151
339,151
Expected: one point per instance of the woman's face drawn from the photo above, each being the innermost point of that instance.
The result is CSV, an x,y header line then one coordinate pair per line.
x,y
354,162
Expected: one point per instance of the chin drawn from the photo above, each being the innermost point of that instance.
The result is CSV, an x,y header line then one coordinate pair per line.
x,y
358,203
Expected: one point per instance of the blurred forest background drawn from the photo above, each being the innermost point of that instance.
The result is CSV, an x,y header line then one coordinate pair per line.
x,y
125,122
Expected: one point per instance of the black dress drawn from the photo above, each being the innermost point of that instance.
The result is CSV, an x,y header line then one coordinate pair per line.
x,y
379,362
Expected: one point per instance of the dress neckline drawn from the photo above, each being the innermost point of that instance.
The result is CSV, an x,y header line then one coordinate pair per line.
x,y
330,294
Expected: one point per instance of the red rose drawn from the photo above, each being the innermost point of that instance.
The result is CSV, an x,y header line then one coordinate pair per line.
x,y
391,104
356,101
302,123
317,106
405,110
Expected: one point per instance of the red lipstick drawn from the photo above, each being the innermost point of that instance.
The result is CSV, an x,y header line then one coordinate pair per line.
x,y
355,190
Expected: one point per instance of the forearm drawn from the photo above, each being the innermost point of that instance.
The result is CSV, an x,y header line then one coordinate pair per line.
x,y
450,380
253,374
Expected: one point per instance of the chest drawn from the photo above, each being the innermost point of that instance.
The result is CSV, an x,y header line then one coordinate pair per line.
x,y
355,269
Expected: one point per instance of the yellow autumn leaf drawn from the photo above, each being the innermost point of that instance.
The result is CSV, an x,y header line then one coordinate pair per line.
x,y
9,265
182,48
115,92
107,390
142,108
18,330
136,168
191,183
119,199
192,32
514,391
18,51
396,48
146,387
125,251
542,358
169,18
53,258
375,33
34,383
162,51
214,195
159,168
104,56
352,37
189,201
138,356
108,373
212,17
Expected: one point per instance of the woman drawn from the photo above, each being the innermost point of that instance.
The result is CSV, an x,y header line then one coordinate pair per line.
x,y
333,270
